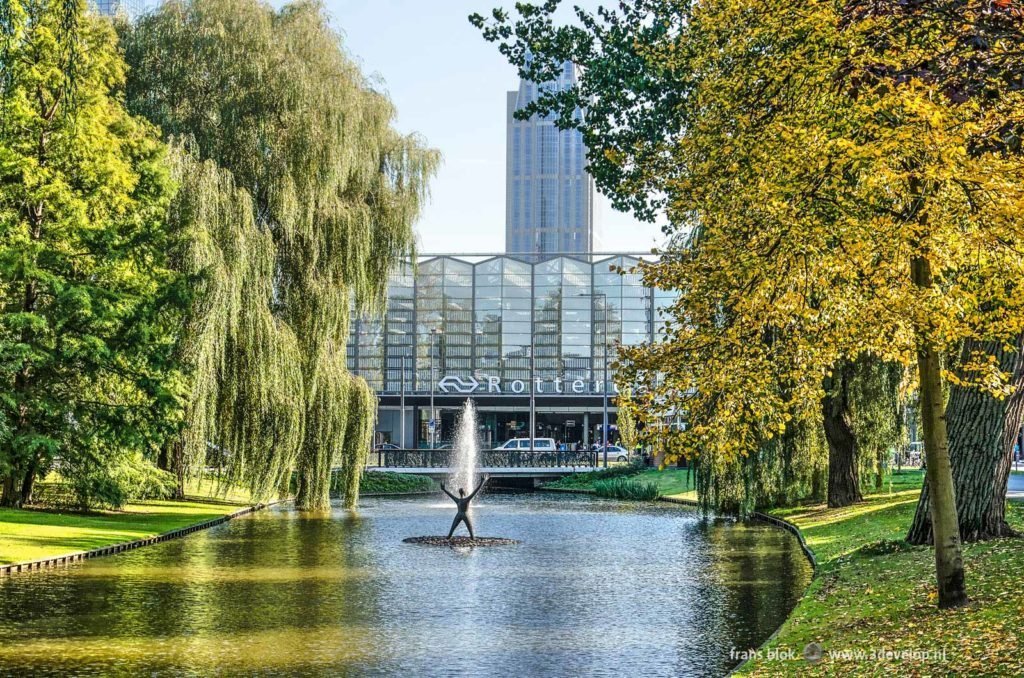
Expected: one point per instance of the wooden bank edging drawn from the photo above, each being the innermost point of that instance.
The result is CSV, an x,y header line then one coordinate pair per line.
x,y
780,523
797,532
763,517
78,556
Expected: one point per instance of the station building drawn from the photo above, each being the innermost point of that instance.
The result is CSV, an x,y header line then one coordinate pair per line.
x,y
460,327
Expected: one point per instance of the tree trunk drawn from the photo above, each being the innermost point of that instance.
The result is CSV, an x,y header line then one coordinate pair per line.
x,y
949,564
982,433
29,481
163,459
843,480
178,466
11,497
880,470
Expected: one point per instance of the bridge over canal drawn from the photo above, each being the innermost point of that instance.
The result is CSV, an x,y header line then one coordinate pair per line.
x,y
504,467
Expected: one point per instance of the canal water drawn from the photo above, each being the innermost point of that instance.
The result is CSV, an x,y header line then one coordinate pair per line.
x,y
595,587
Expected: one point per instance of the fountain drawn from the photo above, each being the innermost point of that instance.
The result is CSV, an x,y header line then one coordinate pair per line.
x,y
462,481
467,451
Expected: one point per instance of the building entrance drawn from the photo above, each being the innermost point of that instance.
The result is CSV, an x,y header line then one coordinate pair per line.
x,y
570,428
571,425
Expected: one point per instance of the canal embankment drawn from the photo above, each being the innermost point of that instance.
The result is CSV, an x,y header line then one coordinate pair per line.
x,y
36,538
871,603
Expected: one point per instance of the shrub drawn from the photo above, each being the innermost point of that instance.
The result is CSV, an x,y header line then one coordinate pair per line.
x,y
55,495
624,488
386,482
102,483
589,478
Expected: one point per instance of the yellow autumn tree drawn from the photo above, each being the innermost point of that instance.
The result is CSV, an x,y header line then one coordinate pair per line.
x,y
824,203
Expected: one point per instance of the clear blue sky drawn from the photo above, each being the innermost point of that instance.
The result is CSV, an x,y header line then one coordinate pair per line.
x,y
449,85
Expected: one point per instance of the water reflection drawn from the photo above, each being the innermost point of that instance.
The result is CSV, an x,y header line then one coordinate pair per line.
x,y
595,587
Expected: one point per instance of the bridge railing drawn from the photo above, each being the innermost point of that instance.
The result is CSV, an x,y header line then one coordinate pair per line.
x,y
488,458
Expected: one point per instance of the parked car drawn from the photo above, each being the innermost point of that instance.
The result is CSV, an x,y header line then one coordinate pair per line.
x,y
616,452
385,447
523,445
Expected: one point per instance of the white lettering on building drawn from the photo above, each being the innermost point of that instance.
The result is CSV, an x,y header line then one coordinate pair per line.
x,y
493,385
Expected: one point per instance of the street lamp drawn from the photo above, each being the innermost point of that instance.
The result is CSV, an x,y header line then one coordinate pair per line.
x,y
604,382
402,403
434,334
533,394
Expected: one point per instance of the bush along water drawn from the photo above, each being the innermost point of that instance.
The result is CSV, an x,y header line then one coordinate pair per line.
x,y
625,488
585,480
385,482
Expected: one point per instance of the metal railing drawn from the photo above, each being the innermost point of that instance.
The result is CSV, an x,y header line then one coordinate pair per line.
x,y
488,459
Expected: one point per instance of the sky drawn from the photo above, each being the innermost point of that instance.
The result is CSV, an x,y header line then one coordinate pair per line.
x,y
449,86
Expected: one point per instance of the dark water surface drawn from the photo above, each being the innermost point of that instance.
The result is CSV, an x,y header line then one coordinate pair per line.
x,y
595,588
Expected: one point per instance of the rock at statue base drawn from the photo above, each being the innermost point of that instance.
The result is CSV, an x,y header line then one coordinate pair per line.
x,y
460,541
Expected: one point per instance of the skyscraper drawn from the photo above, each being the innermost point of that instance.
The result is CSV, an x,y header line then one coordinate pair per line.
x,y
549,197
129,8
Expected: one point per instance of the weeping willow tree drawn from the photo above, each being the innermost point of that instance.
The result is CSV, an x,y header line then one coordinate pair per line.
x,y
781,471
247,381
272,99
877,408
358,437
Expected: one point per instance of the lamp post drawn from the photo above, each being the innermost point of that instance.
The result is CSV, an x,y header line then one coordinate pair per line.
x,y
434,334
533,398
401,423
604,382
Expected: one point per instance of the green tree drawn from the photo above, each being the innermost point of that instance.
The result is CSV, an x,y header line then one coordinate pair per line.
x,y
271,97
981,65
815,225
87,301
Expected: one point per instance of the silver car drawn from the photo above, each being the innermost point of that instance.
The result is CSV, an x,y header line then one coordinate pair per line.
x,y
523,445
616,453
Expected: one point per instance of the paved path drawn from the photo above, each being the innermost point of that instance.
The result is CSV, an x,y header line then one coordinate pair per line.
x,y
1015,488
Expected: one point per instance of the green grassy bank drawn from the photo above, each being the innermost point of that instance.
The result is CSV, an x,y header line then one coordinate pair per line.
x,y
871,605
31,534
28,534
672,482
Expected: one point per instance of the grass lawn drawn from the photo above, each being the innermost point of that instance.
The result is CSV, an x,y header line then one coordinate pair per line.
x,y
30,534
672,482
874,592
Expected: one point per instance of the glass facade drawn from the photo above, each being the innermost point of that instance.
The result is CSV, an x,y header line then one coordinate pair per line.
x,y
478,319
548,194
463,326
129,8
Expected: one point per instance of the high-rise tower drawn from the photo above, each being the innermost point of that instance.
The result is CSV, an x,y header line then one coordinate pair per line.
x,y
128,8
549,197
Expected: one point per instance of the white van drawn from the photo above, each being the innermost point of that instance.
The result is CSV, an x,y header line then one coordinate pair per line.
x,y
523,445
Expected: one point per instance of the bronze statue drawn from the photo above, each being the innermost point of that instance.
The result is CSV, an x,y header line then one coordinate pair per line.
x,y
462,502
